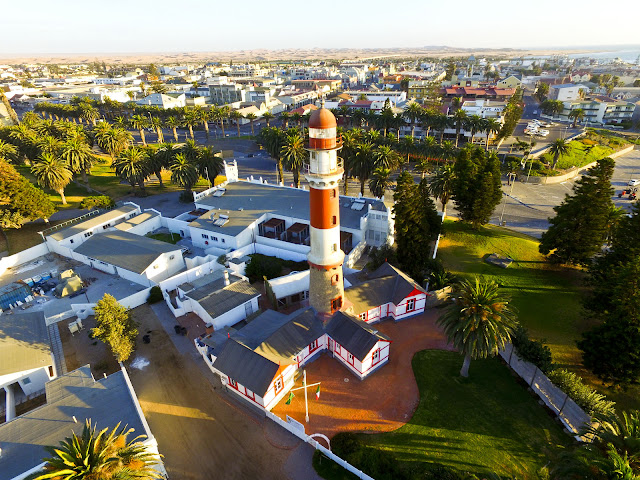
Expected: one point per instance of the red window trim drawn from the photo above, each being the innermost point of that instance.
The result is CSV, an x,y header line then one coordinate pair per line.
x,y
414,305
232,383
275,385
373,361
317,345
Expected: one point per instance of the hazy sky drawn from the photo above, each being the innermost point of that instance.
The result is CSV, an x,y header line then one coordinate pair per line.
x,y
120,26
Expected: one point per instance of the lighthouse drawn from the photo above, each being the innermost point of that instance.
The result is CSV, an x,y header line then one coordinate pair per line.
x,y
323,172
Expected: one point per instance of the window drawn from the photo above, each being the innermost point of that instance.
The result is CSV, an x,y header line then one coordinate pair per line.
x,y
376,356
104,227
88,234
278,385
411,304
205,236
334,220
215,239
71,241
351,359
172,257
333,193
334,247
232,382
313,346
222,239
336,303
50,371
363,316
335,279
26,380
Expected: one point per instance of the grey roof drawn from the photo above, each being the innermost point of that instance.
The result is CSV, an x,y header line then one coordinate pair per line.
x,y
217,302
301,328
134,221
353,334
261,327
246,367
126,250
92,222
245,202
24,342
214,281
74,394
403,284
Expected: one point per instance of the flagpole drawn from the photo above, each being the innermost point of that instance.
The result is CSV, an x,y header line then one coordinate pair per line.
x,y
306,404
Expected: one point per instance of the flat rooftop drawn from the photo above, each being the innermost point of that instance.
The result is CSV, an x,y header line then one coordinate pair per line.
x,y
92,222
245,202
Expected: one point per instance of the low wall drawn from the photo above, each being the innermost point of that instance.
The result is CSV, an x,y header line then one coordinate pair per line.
x,y
190,275
24,256
568,412
355,254
298,432
438,297
543,150
267,250
271,242
575,171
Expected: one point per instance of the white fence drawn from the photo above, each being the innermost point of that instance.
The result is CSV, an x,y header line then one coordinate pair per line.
x,y
208,191
294,247
328,453
569,413
268,250
190,275
23,257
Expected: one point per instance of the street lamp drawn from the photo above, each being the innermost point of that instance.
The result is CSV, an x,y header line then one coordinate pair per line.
x,y
512,180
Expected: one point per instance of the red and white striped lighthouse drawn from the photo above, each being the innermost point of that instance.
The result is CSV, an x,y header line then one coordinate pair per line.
x,y
323,172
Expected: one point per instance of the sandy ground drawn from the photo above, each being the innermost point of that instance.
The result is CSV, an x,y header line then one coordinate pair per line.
x,y
381,402
201,432
270,55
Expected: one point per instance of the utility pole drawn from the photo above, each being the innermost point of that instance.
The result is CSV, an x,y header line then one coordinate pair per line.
x,y
306,403
511,177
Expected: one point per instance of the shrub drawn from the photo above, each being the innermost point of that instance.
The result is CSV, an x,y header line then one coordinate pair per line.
x,y
345,444
263,266
587,141
379,255
155,295
534,351
381,465
100,201
586,398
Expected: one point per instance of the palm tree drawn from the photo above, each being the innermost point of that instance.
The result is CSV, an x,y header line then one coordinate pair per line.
x,y
8,151
140,123
78,156
251,117
184,172
156,122
441,184
492,126
52,172
268,116
296,117
294,154
104,455
412,113
558,148
447,150
89,113
475,124
385,157
621,431
460,119
285,119
173,123
577,114
380,181
273,139
210,164
49,144
363,164
480,321
236,116
189,120
132,165
350,141
114,141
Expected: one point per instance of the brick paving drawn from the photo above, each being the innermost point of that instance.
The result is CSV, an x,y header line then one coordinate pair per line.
x,y
382,402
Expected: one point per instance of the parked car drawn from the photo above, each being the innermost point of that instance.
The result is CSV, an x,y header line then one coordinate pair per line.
x,y
546,124
542,132
633,182
530,131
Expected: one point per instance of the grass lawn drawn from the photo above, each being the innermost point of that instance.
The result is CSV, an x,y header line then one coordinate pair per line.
x,y
547,296
485,423
166,237
27,236
579,155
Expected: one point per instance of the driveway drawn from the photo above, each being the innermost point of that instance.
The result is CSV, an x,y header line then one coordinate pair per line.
x,y
382,402
201,431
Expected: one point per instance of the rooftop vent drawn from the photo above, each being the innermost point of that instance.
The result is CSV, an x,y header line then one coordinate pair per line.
x,y
220,192
221,220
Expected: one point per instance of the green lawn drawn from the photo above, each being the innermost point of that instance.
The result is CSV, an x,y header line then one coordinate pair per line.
x,y
485,423
166,237
579,155
548,297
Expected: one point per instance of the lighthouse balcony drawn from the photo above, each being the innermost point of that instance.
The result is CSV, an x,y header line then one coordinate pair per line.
x,y
323,167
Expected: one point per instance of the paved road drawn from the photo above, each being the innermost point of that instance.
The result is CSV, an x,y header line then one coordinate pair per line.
x,y
528,206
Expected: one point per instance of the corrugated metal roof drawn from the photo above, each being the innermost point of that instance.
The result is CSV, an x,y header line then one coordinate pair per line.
x,y
137,220
106,402
404,284
354,335
221,301
289,284
24,342
126,250
92,222
246,367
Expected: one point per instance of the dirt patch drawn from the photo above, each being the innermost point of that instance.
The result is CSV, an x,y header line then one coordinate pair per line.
x,y
382,402
81,349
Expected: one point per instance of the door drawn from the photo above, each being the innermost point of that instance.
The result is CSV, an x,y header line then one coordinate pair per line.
x,y
330,345
248,309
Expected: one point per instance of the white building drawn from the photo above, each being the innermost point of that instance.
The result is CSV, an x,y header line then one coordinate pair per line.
x,y
164,101
567,92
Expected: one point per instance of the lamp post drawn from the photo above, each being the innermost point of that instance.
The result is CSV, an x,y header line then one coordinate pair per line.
x,y
511,178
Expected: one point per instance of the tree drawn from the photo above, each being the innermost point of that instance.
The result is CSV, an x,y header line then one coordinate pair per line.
x,y
101,455
580,227
577,114
460,119
236,116
209,163
251,117
140,123
542,90
380,181
363,163
8,151
132,165
78,157
115,327
480,322
477,188
156,123
412,113
273,139
114,141
492,126
385,157
10,219
52,172
294,154
173,123
184,172
512,113
558,148
441,184
268,116
189,120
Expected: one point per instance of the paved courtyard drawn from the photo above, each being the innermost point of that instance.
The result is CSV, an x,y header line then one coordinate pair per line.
x,y
382,402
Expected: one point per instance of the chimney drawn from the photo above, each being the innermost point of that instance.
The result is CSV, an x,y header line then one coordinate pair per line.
x,y
227,282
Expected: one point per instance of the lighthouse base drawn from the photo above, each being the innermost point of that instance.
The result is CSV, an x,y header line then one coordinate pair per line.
x,y
326,288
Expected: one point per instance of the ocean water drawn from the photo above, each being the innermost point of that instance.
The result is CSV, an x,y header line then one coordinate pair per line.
x,y
629,55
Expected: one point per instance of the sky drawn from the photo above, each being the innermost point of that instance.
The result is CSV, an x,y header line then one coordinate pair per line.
x,y
154,26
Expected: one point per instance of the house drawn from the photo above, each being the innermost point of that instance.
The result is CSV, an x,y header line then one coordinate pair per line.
x,y
259,361
387,293
140,259
566,92
600,110
70,399
220,299
26,359
511,81
164,101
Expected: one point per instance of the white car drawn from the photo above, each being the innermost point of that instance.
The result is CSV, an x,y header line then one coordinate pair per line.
x,y
535,121
633,183
542,132
530,131
546,124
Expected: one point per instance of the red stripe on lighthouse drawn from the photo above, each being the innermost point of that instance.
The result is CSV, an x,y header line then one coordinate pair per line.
x,y
324,208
